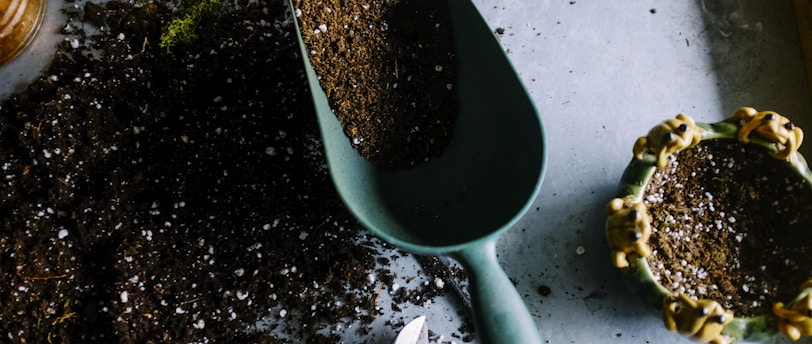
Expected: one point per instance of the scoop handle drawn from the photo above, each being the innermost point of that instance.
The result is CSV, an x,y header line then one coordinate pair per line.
x,y
499,312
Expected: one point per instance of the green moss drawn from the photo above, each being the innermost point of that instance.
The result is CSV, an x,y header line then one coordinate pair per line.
x,y
181,30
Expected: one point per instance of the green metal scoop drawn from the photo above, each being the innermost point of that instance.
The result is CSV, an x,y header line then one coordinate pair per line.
x,y
459,204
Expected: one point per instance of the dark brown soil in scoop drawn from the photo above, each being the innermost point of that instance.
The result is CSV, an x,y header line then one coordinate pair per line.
x,y
731,223
388,70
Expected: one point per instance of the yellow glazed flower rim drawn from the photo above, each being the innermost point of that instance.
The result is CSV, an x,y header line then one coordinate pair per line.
x,y
20,21
628,227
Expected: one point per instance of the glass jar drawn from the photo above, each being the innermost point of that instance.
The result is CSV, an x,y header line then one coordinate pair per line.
x,y
19,22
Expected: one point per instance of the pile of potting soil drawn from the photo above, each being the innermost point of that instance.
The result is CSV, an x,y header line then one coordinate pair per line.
x,y
153,196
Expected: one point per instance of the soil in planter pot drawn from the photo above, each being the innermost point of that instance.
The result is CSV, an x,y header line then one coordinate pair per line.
x,y
154,197
388,70
731,223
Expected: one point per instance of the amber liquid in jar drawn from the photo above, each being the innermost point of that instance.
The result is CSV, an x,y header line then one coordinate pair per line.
x,y
19,22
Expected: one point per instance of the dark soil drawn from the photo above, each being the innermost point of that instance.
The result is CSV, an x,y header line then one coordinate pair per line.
x,y
388,70
155,197
731,223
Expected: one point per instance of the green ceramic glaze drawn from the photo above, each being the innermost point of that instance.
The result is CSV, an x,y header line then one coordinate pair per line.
x,y
460,203
633,181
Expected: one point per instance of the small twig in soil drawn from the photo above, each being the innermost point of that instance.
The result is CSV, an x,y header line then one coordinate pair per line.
x,y
123,16
44,278
374,304
190,301
64,318
143,49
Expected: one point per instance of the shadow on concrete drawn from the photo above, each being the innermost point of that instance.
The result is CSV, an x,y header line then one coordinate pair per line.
x,y
756,55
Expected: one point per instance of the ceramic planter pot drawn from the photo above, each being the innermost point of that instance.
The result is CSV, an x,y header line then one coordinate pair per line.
x,y
19,22
629,229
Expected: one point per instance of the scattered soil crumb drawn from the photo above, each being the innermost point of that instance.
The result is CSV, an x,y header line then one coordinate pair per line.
x,y
544,290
